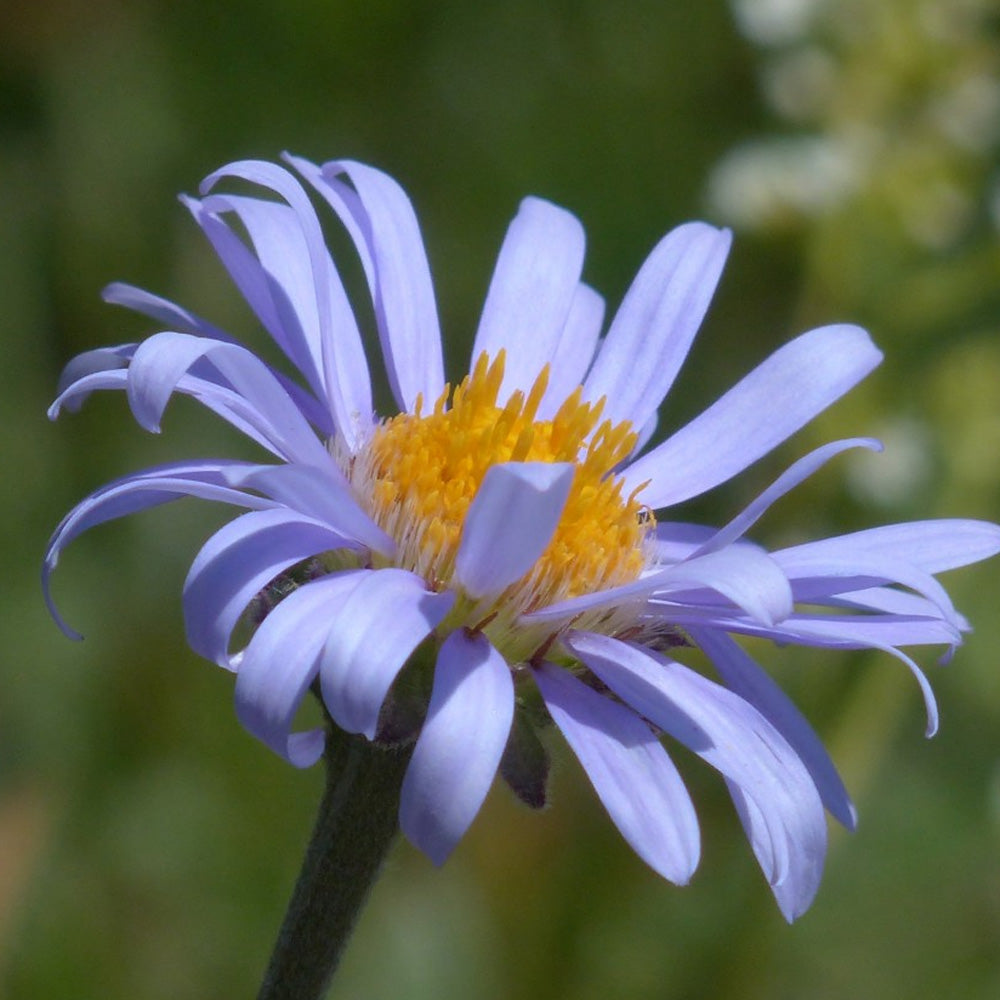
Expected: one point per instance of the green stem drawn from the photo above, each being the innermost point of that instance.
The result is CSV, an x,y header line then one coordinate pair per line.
x,y
357,822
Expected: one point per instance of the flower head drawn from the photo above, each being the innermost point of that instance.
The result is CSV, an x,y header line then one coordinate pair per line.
x,y
506,539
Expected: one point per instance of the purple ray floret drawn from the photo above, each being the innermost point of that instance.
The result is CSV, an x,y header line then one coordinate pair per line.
x,y
475,535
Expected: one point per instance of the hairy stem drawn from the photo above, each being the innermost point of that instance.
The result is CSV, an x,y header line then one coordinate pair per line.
x,y
357,822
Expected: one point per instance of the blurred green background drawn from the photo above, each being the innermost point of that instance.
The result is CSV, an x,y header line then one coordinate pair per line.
x,y
147,845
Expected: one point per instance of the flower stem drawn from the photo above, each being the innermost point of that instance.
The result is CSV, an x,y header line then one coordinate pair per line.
x,y
357,822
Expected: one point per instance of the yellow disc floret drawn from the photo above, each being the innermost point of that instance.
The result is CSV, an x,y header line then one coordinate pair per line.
x,y
419,473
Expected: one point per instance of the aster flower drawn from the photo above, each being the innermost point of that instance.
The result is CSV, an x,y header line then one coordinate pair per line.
x,y
504,542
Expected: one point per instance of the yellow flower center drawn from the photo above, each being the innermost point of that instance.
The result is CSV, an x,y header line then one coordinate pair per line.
x,y
419,473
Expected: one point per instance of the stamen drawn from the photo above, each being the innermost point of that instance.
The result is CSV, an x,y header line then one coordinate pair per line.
x,y
419,473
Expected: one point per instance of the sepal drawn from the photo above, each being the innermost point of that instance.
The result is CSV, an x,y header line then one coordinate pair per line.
x,y
525,762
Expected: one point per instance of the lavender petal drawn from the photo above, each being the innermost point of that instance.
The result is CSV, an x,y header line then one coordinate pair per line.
x,y
372,634
633,776
531,292
459,749
798,381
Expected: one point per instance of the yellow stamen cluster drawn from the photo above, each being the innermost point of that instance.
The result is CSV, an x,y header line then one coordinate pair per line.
x,y
420,472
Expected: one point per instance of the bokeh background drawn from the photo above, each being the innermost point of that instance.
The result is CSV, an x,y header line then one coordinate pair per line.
x,y
147,845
